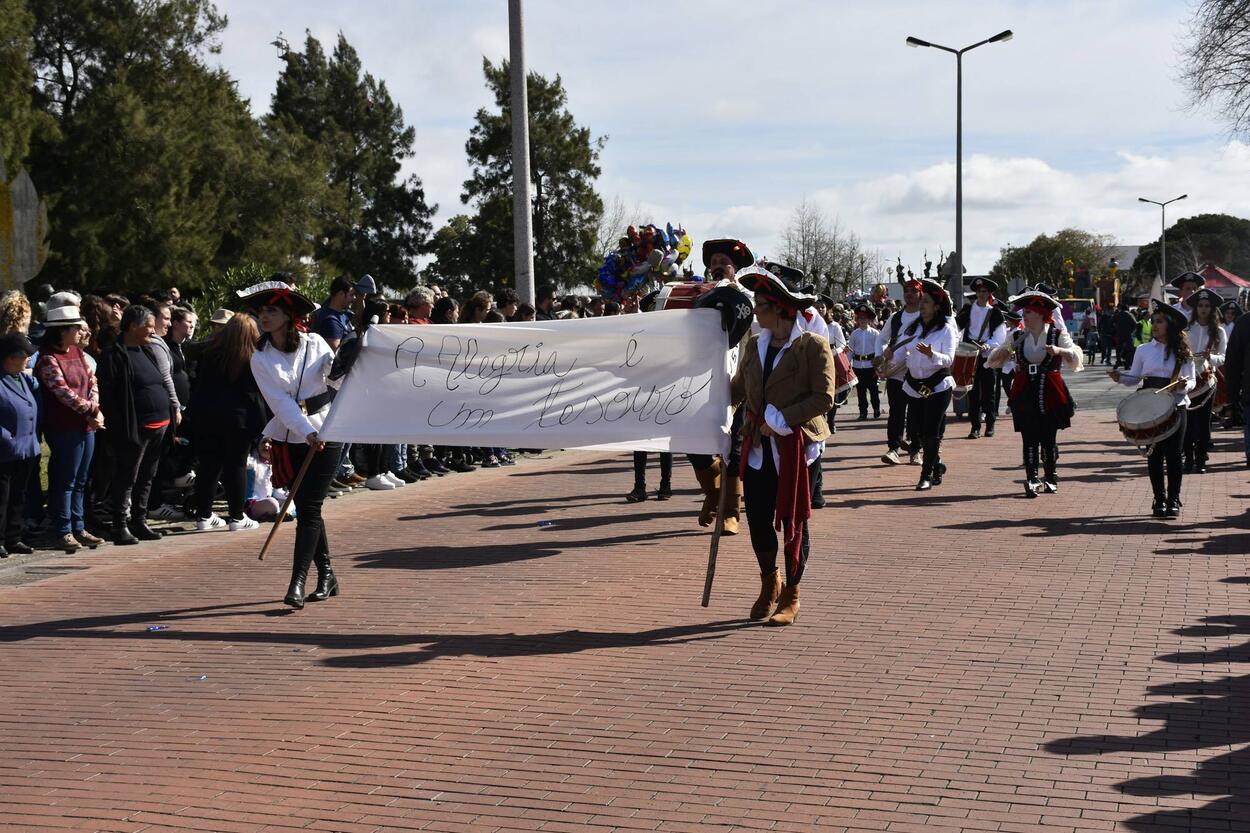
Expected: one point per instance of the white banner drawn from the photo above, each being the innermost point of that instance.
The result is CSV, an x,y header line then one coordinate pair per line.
x,y
656,381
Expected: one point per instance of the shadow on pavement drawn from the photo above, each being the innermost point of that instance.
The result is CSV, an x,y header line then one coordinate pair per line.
x,y
1204,714
453,558
496,645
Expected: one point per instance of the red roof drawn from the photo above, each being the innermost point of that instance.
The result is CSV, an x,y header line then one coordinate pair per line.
x,y
1217,278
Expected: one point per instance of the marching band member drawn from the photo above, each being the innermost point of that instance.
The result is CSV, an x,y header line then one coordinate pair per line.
x,y
785,380
1230,311
1209,342
928,380
893,339
1186,284
293,371
863,345
981,323
1165,360
722,258
1041,405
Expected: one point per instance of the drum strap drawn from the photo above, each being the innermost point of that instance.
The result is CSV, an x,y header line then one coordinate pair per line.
x,y
926,385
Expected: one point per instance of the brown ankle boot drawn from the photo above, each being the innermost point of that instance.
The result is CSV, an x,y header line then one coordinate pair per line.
x,y
770,588
787,606
733,511
709,480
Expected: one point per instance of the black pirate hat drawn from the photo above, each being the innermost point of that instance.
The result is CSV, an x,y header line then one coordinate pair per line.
x,y
735,250
278,293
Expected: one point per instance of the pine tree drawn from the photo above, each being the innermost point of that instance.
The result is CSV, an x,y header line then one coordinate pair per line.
x,y
372,221
563,170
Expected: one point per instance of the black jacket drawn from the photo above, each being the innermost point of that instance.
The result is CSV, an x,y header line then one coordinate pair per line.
x,y
1237,361
117,399
219,404
963,319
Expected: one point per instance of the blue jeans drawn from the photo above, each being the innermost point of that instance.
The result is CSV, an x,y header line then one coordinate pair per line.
x,y
67,477
397,458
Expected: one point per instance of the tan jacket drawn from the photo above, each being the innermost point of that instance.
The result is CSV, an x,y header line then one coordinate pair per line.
x,y
801,385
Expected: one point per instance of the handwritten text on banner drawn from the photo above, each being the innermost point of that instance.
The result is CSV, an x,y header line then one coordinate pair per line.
x,y
656,381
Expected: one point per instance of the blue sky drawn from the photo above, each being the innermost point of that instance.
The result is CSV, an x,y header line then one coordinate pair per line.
x,y
724,115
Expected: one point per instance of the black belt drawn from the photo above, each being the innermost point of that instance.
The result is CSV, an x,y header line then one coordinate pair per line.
x,y
925,386
860,357
1155,382
313,404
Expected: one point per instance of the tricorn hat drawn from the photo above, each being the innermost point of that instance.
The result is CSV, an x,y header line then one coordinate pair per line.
x,y
770,286
1033,298
276,293
794,279
1176,316
1203,294
735,250
983,283
1188,277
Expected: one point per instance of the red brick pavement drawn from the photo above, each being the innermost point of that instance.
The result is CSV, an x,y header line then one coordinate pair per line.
x,y
965,659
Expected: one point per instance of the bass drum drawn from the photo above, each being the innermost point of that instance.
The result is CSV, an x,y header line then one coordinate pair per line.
x,y
681,295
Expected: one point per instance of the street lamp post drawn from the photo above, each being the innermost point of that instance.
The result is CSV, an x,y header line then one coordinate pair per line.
x,y
1163,230
957,280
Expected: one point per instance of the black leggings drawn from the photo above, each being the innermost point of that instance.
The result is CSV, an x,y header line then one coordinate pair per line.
x,y
866,388
640,468
1167,454
134,466
310,530
983,398
926,417
1198,432
759,493
897,423
221,455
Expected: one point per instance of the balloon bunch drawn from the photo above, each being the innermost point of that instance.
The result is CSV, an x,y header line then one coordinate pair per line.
x,y
643,255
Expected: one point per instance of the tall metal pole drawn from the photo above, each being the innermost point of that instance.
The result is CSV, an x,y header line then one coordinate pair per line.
x,y
957,280
1163,244
522,229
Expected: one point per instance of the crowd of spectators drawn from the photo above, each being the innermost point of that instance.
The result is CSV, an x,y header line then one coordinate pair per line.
x,y
116,411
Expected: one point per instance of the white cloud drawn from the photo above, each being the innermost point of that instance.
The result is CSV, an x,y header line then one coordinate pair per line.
x,y
1062,125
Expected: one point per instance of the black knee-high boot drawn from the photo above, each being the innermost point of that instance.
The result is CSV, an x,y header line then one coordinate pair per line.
x,y
1049,460
1030,469
305,548
1174,492
327,582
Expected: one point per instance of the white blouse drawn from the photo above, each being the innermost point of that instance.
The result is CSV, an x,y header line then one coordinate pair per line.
x,y
1149,360
920,366
863,343
1200,342
883,340
286,379
1032,350
976,325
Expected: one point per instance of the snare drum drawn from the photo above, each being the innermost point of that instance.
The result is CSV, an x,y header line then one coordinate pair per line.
x,y
964,368
843,376
1221,390
681,295
1147,417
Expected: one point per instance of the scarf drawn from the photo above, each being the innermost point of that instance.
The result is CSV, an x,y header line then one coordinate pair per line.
x,y
794,498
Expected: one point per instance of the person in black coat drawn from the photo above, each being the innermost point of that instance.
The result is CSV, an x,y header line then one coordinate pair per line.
x,y
227,415
1125,329
19,438
139,410
1237,373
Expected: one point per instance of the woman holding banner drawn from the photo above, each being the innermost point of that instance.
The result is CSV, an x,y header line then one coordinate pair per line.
x,y
784,430
292,369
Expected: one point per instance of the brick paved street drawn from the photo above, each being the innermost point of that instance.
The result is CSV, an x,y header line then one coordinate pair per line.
x,y
965,659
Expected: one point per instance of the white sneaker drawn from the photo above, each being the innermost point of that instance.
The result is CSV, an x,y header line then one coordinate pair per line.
x,y
379,484
167,512
395,481
211,522
241,523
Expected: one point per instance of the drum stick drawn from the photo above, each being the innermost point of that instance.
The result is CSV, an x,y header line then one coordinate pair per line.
x,y
716,533
286,505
